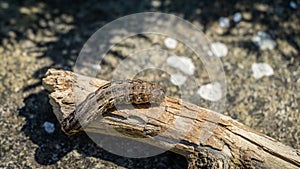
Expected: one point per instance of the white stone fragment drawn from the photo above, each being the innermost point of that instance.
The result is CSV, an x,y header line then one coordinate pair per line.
x,y
219,49
49,127
237,17
4,5
293,5
170,43
178,79
96,66
156,4
211,91
264,41
224,22
182,63
261,69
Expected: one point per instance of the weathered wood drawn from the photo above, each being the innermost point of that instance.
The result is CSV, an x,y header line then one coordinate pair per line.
x,y
207,138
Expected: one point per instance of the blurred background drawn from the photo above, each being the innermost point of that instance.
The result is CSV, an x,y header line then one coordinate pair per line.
x,y
258,43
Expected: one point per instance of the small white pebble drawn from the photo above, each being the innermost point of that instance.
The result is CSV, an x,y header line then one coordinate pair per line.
x,y
4,5
267,44
182,63
263,41
96,66
224,22
293,5
237,17
219,49
261,69
49,127
156,4
211,91
170,43
178,79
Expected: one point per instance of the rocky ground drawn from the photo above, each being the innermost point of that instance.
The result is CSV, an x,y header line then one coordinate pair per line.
x,y
36,36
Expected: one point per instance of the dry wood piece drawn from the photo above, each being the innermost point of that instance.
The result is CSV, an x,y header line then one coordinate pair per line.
x,y
210,139
106,97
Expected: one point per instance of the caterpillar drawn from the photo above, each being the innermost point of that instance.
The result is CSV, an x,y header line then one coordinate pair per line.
x,y
109,95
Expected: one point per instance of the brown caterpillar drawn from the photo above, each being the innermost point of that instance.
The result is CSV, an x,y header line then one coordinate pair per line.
x,y
109,95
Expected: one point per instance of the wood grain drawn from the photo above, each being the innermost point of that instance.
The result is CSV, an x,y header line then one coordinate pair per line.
x,y
107,97
206,138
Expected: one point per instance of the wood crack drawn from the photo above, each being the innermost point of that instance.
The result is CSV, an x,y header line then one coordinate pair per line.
x,y
226,143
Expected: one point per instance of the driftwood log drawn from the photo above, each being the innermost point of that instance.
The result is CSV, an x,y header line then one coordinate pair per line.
x,y
211,140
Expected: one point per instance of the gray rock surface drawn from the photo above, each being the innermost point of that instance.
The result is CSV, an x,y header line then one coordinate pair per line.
x,y
38,35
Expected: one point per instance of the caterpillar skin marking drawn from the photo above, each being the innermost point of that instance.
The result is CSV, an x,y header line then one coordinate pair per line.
x,y
109,95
